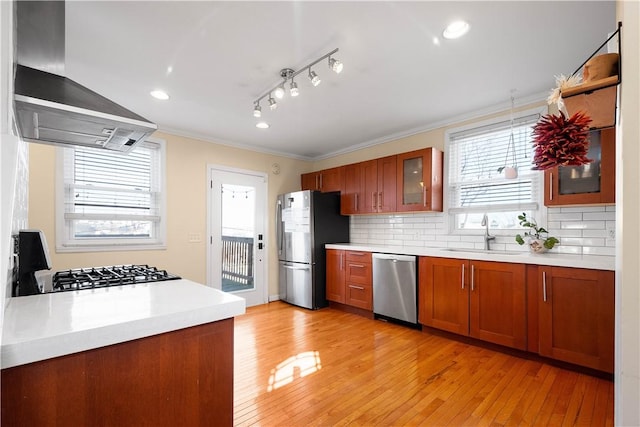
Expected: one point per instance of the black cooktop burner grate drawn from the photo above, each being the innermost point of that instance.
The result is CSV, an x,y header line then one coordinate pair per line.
x,y
100,277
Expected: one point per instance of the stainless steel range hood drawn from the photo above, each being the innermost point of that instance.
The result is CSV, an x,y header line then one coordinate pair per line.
x,y
51,108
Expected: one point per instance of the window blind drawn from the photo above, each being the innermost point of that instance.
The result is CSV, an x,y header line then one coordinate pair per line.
x,y
475,155
109,194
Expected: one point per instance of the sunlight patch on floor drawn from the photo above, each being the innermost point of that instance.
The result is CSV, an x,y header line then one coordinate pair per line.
x,y
294,367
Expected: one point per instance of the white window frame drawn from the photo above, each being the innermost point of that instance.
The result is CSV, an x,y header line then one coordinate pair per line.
x,y
66,242
539,214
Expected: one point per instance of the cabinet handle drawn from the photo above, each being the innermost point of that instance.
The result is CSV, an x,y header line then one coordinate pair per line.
x,y
544,286
320,181
380,201
550,187
341,261
357,253
356,202
424,196
360,288
472,274
462,276
373,201
357,265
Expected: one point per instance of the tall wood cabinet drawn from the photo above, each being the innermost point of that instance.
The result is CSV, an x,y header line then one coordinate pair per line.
x,y
419,182
593,183
575,310
335,278
325,180
485,300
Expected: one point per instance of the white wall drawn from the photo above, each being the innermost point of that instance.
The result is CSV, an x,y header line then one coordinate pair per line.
x,y
627,374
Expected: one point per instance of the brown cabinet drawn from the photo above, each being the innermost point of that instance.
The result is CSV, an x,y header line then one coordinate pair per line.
x,y
335,275
359,285
349,278
369,187
419,180
485,300
177,378
593,183
325,180
575,311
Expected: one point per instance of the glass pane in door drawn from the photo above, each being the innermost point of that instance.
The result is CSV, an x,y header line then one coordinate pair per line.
x,y
238,231
585,178
412,185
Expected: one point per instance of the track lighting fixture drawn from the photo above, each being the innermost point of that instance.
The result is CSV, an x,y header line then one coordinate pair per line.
x,y
288,74
335,65
279,92
294,89
315,80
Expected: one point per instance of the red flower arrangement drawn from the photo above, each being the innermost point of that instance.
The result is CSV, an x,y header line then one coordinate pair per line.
x,y
561,141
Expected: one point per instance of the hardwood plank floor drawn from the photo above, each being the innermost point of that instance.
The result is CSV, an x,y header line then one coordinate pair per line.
x,y
296,367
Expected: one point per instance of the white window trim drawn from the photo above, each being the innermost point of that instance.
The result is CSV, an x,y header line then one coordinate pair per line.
x,y
67,245
449,221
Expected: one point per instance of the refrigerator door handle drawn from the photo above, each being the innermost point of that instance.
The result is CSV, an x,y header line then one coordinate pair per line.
x,y
291,267
279,227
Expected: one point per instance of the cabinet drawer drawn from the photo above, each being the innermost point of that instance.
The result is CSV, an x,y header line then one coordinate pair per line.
x,y
359,256
359,295
359,273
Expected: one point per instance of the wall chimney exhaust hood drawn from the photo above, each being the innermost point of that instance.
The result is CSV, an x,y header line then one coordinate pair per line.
x,y
53,109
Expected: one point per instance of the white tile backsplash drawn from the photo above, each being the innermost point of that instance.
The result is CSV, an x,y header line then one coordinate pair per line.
x,y
581,230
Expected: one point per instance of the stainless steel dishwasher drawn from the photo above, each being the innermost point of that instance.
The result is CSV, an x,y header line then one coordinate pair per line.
x,y
395,287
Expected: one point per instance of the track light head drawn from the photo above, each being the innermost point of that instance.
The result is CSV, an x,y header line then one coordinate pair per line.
x,y
257,111
272,103
294,89
279,92
335,65
315,80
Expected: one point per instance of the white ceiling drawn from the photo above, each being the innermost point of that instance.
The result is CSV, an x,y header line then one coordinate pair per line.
x,y
396,81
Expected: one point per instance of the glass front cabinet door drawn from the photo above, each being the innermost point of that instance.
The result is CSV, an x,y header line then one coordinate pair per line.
x,y
593,183
419,182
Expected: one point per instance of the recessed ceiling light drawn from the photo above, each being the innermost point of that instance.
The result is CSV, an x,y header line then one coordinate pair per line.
x,y
455,29
262,125
160,94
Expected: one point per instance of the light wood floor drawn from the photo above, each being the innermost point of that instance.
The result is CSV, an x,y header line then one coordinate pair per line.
x,y
295,367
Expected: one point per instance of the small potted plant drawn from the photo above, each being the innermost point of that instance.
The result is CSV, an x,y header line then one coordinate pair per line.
x,y
538,238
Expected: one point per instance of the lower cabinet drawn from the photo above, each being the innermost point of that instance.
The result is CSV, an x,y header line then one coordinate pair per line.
x,y
178,378
575,310
484,300
349,278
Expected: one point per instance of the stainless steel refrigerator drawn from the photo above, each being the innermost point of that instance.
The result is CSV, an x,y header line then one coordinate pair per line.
x,y
305,222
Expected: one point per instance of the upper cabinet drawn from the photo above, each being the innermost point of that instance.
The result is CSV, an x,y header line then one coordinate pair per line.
x,y
369,187
593,183
325,180
419,181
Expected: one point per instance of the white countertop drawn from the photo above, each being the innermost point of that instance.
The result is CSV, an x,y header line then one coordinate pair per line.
x,y
40,327
552,259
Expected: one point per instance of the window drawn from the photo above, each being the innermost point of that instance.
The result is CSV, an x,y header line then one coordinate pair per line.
x,y
109,200
475,186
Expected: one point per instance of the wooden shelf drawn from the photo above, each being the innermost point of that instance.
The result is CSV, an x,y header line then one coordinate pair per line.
x,y
590,86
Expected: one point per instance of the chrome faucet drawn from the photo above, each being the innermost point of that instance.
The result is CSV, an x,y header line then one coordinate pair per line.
x,y
487,238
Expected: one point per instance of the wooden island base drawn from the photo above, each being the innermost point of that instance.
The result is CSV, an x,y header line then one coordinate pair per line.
x,y
183,377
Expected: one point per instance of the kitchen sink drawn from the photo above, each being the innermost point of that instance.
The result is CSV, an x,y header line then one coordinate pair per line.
x,y
484,251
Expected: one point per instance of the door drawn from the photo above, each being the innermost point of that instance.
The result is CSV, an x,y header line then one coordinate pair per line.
x,y
236,261
443,293
294,228
497,303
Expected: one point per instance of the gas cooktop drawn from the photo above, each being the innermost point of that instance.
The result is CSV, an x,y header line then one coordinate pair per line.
x,y
101,277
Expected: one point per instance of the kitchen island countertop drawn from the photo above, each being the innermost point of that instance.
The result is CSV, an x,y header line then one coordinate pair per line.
x,y
40,327
596,262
